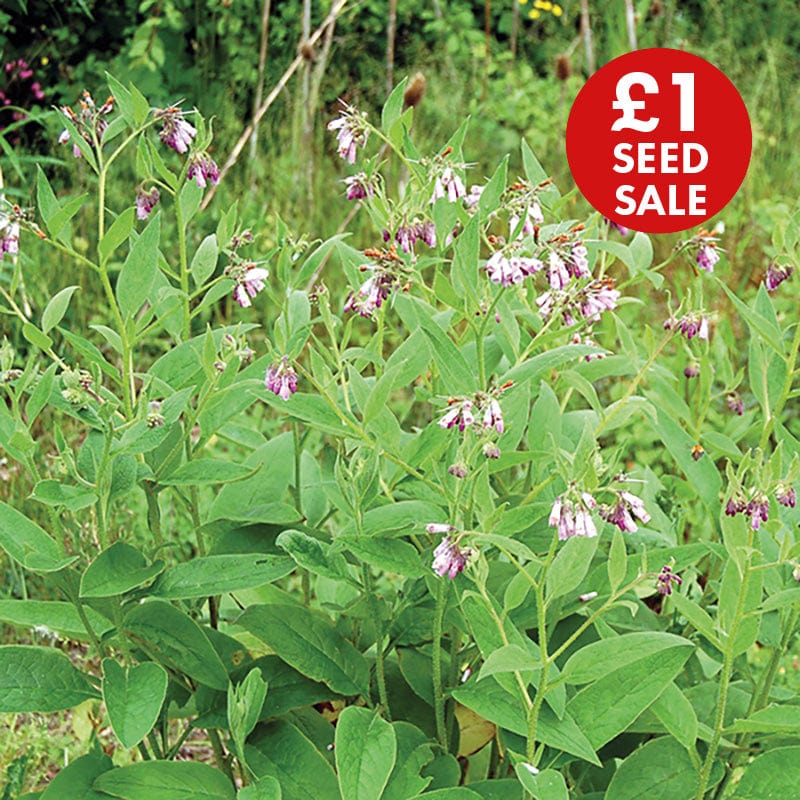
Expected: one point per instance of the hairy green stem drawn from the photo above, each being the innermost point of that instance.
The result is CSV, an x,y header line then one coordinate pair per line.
x,y
438,688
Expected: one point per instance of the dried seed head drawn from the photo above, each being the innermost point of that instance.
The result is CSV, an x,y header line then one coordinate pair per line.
x,y
414,91
563,67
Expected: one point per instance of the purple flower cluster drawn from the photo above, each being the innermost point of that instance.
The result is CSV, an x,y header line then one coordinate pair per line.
x,y
623,231
757,505
146,201
89,122
448,184
571,516
9,237
281,379
690,325
776,275
508,269
384,277
735,403
449,557
665,580
352,132
707,257
250,280
175,132
462,411
359,186
622,513
20,90
203,169
587,301
408,234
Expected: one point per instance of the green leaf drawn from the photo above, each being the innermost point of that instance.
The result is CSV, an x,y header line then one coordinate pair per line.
x,y
597,659
177,641
205,471
53,493
166,780
698,617
606,707
387,555
28,544
308,641
204,261
313,555
117,570
141,108
775,775
393,107
403,515
119,230
617,562
547,785
40,679
56,615
75,782
414,751
279,750
783,599
267,788
772,719
366,748
509,658
536,367
662,768
139,271
244,706
45,198
122,99
36,337
133,697
40,396
466,257
570,566
677,715
212,575
54,311
492,702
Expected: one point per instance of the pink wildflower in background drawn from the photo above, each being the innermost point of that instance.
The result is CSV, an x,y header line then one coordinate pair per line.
x,y
352,132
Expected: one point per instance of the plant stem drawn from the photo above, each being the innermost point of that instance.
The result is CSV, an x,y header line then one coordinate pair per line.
x,y
438,689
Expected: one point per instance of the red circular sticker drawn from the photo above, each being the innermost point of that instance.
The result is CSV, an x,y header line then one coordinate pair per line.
x,y
658,140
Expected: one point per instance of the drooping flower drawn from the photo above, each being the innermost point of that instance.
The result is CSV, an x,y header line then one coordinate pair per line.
x,y
439,527
691,370
758,510
176,132
359,186
597,297
459,414
557,272
623,511
776,275
155,419
493,416
449,558
736,504
474,196
426,232
508,270
707,256
352,132
491,450
89,121
385,275
448,184
786,495
9,236
203,169
281,379
249,282
458,470
146,201
735,403
665,580
572,516
690,325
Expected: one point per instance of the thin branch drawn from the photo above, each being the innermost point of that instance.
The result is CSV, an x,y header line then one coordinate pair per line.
x,y
391,33
586,32
270,99
630,23
262,66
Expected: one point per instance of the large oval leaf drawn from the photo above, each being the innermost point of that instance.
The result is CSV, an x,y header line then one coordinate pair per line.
x,y
28,544
366,748
40,679
662,768
166,780
308,641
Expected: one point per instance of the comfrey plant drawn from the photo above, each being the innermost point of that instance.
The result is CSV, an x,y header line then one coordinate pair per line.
x,y
462,522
